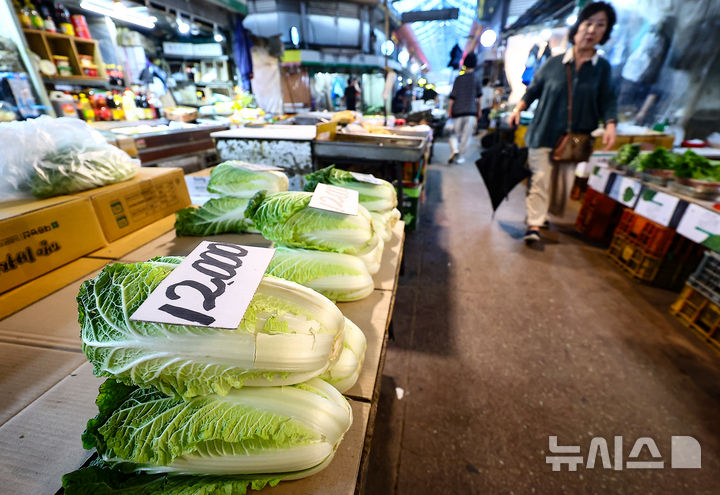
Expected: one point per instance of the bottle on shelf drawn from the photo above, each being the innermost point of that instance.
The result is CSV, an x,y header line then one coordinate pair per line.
x,y
85,108
23,14
117,112
62,20
35,19
128,105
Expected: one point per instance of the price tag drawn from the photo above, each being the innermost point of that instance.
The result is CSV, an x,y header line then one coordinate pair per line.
x,y
368,178
599,178
256,167
197,187
625,190
657,206
212,287
699,224
601,158
336,199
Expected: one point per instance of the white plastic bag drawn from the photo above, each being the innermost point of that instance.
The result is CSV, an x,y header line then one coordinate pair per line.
x,y
48,157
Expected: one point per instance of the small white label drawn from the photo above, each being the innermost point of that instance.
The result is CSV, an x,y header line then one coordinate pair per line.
x,y
601,158
625,190
257,167
657,206
212,287
336,199
599,177
368,178
698,223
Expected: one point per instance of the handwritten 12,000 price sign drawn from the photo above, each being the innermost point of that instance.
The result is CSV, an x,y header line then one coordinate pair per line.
x,y
212,287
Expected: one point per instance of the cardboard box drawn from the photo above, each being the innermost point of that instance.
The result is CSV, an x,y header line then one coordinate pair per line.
x,y
372,316
137,239
27,372
20,297
42,443
125,207
39,236
50,322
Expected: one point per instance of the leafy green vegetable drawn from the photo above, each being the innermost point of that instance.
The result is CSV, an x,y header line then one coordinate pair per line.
x,y
374,197
288,334
234,178
345,371
629,194
385,221
690,165
340,277
627,153
263,433
217,216
658,159
286,218
72,170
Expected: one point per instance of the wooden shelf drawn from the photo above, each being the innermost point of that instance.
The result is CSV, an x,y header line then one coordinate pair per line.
x,y
48,34
84,80
48,45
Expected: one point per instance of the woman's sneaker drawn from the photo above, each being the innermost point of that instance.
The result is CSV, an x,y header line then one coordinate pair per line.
x,y
531,237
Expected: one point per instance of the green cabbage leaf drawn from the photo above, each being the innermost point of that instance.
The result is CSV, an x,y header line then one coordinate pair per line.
x,y
289,334
217,216
234,178
374,197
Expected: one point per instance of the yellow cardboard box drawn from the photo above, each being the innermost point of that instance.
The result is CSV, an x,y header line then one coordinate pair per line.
x,y
39,236
154,193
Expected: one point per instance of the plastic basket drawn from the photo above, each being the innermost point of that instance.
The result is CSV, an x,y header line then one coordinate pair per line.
x,y
699,313
654,238
669,271
706,278
598,216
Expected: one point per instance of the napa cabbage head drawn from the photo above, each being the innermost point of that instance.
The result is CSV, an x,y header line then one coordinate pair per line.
x,y
344,372
234,178
216,216
340,277
385,221
286,218
288,334
374,197
262,434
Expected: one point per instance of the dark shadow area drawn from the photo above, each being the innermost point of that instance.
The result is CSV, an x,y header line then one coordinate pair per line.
x,y
385,445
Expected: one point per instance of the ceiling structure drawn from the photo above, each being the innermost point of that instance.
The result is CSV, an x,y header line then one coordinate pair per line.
x,y
436,38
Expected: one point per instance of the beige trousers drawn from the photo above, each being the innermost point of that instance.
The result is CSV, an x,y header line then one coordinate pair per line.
x,y
463,128
550,186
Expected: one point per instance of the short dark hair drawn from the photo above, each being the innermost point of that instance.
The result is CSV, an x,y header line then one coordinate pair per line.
x,y
590,10
486,81
470,60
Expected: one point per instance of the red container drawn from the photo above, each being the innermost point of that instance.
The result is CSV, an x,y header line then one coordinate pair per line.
x,y
598,217
654,238
81,28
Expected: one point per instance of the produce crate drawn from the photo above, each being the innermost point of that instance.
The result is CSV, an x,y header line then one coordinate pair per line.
x,y
697,312
706,279
598,216
669,271
411,199
653,237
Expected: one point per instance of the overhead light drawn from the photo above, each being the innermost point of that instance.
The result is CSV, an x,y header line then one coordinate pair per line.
x,y
414,68
403,57
488,38
400,78
572,19
294,35
118,11
217,35
387,48
409,81
422,81
194,29
182,26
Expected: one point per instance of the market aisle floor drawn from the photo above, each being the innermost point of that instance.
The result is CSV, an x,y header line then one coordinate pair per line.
x,y
498,346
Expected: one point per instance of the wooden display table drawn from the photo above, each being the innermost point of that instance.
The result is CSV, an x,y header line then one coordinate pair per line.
x,y
41,424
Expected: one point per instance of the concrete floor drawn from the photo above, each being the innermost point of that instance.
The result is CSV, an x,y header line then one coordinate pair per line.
x,y
498,346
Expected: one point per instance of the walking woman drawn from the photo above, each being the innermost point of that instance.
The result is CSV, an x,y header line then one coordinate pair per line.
x,y
593,101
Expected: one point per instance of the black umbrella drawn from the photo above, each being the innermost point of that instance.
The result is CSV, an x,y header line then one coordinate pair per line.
x,y
502,166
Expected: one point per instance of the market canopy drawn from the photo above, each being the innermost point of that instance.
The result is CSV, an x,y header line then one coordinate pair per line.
x,y
541,11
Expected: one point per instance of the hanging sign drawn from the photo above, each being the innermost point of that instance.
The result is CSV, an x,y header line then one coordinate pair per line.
x,y
212,287
657,206
336,199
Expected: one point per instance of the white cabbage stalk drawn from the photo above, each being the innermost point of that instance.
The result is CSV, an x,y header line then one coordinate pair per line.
x,y
343,374
289,334
340,277
385,221
234,178
373,256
